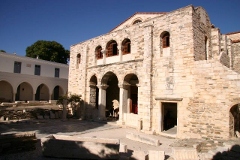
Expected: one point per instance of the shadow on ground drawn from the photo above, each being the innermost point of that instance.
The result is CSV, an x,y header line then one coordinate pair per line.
x,y
232,154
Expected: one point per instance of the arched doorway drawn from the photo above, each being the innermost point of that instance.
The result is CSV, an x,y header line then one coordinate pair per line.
x,y
92,109
93,92
42,93
24,92
6,94
131,80
110,81
234,120
57,91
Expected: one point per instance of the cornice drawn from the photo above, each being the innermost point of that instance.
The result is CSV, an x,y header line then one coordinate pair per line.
x,y
32,59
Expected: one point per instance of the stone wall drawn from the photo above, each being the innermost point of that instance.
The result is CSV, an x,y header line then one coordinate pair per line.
x,y
215,92
236,59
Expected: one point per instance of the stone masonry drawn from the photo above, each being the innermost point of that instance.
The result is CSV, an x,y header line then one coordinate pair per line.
x,y
176,71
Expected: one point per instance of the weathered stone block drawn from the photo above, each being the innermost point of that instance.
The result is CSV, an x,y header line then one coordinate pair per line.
x,y
183,153
156,155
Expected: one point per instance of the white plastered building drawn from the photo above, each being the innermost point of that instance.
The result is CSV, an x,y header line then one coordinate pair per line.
x,y
30,79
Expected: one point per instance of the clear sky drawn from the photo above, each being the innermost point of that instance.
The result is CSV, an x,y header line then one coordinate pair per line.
x,y
23,22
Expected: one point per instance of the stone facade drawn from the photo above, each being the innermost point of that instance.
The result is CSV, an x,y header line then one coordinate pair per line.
x,y
170,72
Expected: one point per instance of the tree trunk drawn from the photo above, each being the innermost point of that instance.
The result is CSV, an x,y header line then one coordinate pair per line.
x,y
64,115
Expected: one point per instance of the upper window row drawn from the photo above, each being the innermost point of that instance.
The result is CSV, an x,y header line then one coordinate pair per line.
x,y
37,69
112,49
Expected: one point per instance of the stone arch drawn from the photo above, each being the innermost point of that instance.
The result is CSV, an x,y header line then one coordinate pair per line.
x,y
111,48
42,93
24,92
93,101
126,46
131,85
136,21
98,52
206,50
108,92
6,94
57,91
234,120
92,109
165,39
78,60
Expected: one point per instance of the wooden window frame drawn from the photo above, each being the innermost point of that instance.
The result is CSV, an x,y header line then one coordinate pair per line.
x,y
99,54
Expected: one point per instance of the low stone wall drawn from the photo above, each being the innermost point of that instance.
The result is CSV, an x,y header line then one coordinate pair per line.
x,y
29,113
61,146
131,120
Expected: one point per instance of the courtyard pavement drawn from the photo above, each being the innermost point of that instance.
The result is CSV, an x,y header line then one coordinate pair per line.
x,y
83,128
80,128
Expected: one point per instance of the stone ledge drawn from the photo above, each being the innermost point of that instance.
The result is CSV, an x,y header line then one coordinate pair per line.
x,y
143,138
168,99
61,146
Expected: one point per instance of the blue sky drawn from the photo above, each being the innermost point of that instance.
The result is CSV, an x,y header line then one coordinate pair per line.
x,y
23,22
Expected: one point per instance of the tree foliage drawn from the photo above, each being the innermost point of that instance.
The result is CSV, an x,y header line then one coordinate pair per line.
x,y
2,51
48,50
72,99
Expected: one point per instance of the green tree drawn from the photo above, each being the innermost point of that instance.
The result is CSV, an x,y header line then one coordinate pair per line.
x,y
2,51
72,99
48,50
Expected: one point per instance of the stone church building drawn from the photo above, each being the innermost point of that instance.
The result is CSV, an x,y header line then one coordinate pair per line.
x,y
170,73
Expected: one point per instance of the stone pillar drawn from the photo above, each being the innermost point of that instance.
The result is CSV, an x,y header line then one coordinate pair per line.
x,y
102,102
104,56
215,43
160,117
146,102
123,102
49,98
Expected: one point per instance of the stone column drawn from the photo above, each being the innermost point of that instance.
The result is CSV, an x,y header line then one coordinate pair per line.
x,y
123,102
146,102
102,102
104,56
49,99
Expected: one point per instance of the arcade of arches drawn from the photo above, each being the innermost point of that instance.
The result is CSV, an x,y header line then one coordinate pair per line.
x,y
26,92
109,95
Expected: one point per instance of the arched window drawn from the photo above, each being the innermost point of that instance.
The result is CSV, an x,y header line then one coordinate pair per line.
x,y
137,21
78,60
98,51
165,36
206,48
111,49
126,46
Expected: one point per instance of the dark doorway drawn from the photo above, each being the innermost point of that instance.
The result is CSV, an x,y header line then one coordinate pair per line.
x,y
234,120
112,94
56,93
169,111
134,99
17,98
